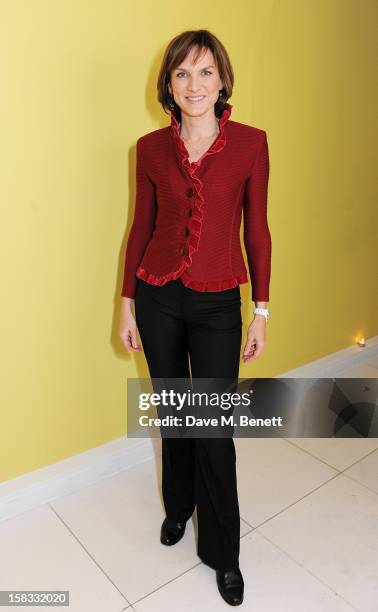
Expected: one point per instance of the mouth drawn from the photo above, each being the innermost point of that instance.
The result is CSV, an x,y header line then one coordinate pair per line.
x,y
195,99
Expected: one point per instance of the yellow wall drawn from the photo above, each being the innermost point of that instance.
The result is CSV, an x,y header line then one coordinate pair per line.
x,y
77,90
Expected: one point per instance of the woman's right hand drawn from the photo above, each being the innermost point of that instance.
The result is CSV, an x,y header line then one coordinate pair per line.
x,y
128,327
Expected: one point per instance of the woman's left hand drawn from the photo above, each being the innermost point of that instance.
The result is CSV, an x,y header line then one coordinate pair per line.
x,y
255,338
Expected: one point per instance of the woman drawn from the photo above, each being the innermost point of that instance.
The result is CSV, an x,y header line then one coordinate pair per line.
x,y
183,268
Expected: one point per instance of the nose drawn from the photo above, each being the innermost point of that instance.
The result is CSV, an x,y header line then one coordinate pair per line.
x,y
192,85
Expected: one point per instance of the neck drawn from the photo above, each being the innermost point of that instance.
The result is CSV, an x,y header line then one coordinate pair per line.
x,y
195,129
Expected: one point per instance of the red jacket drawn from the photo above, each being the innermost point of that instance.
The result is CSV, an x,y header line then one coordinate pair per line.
x,y
187,215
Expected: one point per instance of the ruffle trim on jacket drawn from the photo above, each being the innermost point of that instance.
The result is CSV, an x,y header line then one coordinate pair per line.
x,y
222,285
197,215
160,280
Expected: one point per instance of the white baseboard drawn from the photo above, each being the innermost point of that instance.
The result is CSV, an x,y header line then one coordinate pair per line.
x,y
35,488
333,364
72,474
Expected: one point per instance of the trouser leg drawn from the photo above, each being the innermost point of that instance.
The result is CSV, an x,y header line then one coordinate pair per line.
x,y
214,340
218,514
163,335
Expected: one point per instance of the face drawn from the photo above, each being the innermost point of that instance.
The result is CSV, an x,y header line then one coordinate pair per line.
x,y
195,87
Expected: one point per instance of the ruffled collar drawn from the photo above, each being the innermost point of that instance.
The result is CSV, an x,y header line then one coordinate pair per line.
x,y
217,145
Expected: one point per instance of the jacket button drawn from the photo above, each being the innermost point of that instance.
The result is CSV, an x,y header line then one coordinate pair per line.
x,y
185,231
183,250
188,212
190,192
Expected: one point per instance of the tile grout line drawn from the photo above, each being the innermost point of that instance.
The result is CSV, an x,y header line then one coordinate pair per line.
x,y
303,497
360,459
342,472
168,582
325,462
130,604
310,454
88,553
375,450
360,483
306,569
298,500
293,504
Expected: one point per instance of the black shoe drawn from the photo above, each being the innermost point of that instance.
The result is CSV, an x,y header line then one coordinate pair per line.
x,y
231,586
171,532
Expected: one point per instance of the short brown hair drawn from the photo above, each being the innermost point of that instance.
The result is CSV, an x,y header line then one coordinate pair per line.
x,y
176,52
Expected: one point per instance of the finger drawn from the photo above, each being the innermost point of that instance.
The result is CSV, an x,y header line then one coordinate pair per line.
x,y
249,346
135,344
257,351
250,350
128,341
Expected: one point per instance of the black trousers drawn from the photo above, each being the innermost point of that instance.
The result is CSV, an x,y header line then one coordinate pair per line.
x,y
177,324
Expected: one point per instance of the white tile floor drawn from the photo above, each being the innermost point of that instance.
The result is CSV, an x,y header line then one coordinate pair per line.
x,y
309,536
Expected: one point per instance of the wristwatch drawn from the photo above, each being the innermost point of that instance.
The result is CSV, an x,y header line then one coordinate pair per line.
x,y
262,311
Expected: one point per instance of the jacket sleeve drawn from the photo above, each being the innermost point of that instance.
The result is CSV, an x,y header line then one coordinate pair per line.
x,y
142,226
257,237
